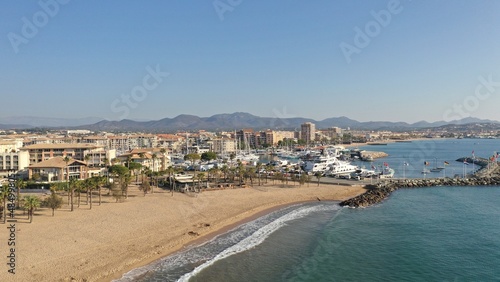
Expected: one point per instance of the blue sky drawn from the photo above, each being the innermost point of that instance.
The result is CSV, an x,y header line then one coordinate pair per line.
x,y
268,58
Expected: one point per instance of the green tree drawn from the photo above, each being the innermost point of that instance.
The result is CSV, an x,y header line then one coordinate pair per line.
x,y
302,179
240,171
192,157
155,173
286,175
73,185
258,169
268,168
145,187
318,176
250,173
30,204
129,160
135,167
116,192
171,180
118,170
53,202
66,159
200,176
20,184
4,193
216,173
225,170
207,156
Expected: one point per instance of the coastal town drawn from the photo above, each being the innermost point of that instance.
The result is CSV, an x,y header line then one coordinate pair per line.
x,y
39,156
46,174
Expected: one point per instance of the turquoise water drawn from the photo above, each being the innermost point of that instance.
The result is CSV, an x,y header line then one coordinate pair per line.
x,y
427,234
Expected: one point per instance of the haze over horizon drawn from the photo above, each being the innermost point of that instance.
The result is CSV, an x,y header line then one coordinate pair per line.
x,y
369,61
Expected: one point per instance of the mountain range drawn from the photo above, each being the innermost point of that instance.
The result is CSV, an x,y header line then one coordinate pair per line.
x,y
232,121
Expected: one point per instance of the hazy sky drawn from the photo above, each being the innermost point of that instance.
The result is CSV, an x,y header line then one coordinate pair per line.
x,y
367,60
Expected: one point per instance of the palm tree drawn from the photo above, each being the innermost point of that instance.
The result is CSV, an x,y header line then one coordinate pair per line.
x,y
216,174
129,159
240,171
100,182
30,204
73,185
318,176
225,170
200,176
250,173
287,170
124,182
268,169
20,184
66,160
154,156
171,171
53,202
145,187
4,193
106,161
258,168
87,158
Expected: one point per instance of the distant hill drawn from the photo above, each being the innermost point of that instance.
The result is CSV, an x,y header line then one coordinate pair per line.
x,y
232,121
241,120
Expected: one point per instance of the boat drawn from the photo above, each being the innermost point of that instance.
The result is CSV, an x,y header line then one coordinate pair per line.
x,y
425,171
319,164
363,173
182,176
436,169
387,173
339,167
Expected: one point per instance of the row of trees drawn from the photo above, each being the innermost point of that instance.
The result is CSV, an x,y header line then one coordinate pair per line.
x,y
122,176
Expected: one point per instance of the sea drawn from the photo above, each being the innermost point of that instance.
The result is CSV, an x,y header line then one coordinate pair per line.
x,y
427,234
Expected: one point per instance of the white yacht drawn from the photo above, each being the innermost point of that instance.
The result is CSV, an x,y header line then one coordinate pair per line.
x,y
339,167
319,164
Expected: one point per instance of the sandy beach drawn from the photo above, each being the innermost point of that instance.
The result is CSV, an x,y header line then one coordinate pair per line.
x,y
104,243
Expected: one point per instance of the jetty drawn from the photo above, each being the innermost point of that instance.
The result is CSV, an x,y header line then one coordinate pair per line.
x,y
371,155
488,175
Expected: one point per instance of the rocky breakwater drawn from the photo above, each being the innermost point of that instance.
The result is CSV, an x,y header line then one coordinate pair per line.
x,y
374,194
377,193
371,155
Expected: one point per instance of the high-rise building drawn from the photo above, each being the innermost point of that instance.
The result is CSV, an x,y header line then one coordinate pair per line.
x,y
308,132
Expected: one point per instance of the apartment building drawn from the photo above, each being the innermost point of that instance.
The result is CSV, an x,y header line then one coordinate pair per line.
x,y
41,152
56,169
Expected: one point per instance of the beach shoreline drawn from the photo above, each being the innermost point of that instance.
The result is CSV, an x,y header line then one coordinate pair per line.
x,y
114,238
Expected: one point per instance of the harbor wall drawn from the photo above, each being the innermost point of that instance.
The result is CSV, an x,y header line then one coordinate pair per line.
x,y
380,191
